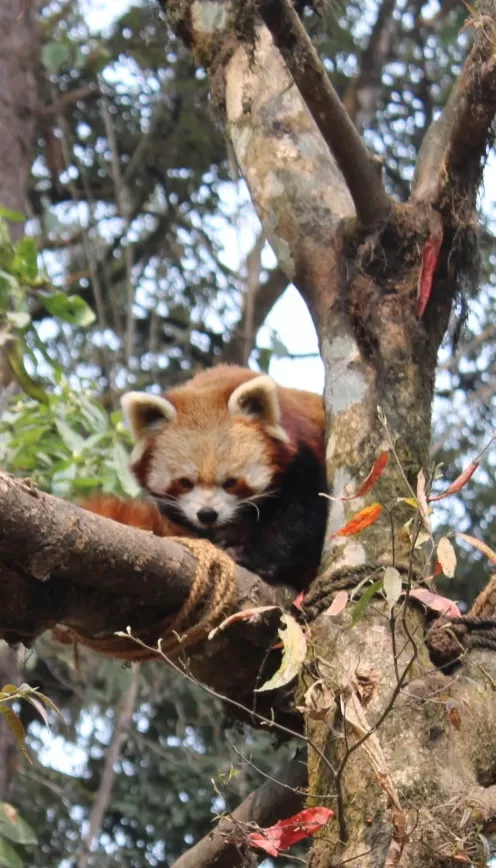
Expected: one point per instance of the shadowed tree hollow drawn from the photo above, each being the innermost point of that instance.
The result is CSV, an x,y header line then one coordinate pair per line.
x,y
402,751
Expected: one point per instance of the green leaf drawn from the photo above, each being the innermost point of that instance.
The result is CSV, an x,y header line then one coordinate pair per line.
x,y
13,827
54,55
19,318
9,214
70,438
26,259
359,609
16,362
16,728
9,858
70,308
9,286
124,475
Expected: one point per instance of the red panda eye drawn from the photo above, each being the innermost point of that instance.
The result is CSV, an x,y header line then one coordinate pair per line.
x,y
186,483
229,483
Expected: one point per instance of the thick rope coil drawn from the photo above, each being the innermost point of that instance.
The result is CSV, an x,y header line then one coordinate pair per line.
x,y
449,638
212,594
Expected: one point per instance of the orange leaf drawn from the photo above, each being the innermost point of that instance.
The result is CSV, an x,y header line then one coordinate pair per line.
x,y
362,519
287,832
481,546
458,484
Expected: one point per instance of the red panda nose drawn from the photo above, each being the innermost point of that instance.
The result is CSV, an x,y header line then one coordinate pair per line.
x,y
207,515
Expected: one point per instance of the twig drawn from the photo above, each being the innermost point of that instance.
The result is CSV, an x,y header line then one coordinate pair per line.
x,y
125,209
102,798
361,171
272,801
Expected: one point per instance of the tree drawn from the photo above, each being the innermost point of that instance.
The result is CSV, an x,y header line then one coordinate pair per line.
x,y
360,277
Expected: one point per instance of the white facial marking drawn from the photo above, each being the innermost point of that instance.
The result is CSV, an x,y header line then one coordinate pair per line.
x,y
258,477
208,497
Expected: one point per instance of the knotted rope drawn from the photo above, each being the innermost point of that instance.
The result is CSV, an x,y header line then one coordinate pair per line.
x,y
212,595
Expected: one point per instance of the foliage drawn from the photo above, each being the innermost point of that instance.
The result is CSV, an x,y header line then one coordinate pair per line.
x,y
69,445
146,255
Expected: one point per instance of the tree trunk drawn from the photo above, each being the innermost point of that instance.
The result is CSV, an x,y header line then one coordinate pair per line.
x,y
407,751
19,59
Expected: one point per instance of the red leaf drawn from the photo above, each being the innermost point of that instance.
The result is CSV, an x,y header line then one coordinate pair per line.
x,y
298,601
365,517
458,484
375,474
436,602
338,604
267,839
429,262
370,480
287,832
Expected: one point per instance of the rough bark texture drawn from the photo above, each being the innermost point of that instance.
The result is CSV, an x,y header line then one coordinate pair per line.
x,y
64,566
420,790
18,103
19,56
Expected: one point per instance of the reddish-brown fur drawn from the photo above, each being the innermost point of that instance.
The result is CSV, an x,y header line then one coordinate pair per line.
x,y
202,401
143,514
302,412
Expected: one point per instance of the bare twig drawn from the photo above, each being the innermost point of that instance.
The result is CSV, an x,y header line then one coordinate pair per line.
x,y
361,171
272,801
125,208
266,296
102,798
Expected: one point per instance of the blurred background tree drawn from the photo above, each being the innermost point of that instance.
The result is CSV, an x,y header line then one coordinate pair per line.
x,y
109,149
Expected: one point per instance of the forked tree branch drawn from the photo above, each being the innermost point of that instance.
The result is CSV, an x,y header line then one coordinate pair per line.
x,y
450,161
360,170
274,800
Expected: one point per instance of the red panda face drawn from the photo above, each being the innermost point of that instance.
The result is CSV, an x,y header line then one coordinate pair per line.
x,y
211,457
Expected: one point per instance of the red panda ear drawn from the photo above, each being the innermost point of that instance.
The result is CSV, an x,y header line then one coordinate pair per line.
x,y
258,399
145,413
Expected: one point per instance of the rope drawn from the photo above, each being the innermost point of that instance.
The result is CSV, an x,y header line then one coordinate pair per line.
x,y
450,638
212,594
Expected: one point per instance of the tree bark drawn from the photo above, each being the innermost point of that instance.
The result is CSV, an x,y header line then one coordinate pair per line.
x,y
19,58
407,751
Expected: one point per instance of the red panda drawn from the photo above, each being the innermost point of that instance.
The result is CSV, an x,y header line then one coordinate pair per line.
x,y
234,458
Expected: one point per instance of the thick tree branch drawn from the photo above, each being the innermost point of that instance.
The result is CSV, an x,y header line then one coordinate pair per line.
x,y
451,158
62,565
361,171
272,801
